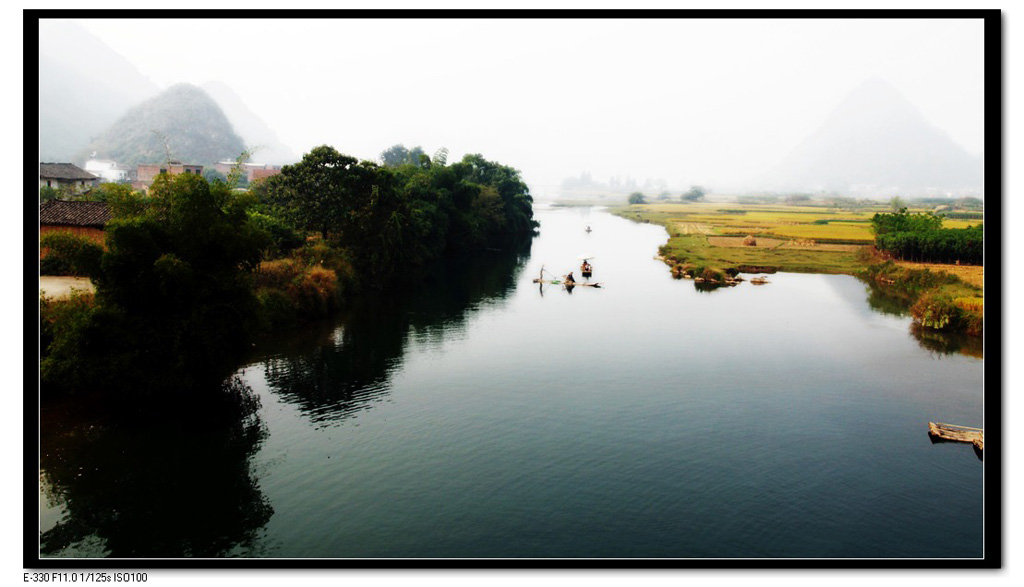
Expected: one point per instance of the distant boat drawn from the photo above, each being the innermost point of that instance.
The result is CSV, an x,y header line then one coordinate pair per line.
x,y
588,228
759,280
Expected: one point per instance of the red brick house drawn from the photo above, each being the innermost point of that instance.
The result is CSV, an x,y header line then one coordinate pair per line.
x,y
147,172
81,218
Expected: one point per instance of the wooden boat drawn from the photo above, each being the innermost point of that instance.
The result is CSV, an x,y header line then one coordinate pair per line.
x,y
759,280
940,432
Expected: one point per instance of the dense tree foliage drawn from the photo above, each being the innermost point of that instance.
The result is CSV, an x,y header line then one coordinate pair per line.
x,y
637,198
920,237
392,217
69,254
903,221
193,269
173,293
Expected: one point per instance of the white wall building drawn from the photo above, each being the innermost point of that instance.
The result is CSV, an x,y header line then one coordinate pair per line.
x,y
106,169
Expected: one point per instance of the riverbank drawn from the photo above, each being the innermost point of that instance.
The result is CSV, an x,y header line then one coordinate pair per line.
x,y
716,240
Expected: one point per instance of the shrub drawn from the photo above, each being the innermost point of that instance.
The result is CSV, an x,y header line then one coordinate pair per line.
x,y
283,237
65,253
277,274
310,291
276,309
315,291
970,304
710,274
937,312
68,313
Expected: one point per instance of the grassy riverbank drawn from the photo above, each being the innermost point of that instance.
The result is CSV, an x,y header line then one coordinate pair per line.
x,y
716,238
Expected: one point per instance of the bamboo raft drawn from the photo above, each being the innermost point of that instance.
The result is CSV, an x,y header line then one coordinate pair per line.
x,y
954,433
573,284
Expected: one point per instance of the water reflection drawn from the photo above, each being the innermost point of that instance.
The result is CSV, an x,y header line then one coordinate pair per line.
x,y
935,341
885,302
161,489
945,343
334,371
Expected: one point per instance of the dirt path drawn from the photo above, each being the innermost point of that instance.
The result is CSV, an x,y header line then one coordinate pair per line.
x,y
60,287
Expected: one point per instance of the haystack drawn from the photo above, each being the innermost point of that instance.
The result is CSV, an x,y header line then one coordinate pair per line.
x,y
750,241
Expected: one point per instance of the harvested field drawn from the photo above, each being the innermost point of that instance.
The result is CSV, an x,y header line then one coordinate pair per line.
x,y
822,247
773,243
693,228
737,241
972,274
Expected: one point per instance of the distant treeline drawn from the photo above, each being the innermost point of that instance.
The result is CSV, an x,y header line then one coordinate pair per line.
x,y
920,237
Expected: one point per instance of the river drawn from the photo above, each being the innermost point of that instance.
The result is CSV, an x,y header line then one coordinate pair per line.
x,y
483,415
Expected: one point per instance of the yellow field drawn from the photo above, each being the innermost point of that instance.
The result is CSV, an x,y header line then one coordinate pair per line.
x,y
972,274
952,223
775,243
785,222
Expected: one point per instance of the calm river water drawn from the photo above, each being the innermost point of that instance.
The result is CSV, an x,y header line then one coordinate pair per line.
x,y
481,415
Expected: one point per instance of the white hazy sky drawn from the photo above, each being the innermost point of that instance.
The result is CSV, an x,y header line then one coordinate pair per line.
x,y
713,102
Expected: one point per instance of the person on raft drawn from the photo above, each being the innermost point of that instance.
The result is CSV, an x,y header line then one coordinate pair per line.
x,y
585,267
569,278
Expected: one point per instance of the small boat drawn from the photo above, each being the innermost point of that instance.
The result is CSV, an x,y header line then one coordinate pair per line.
x,y
759,280
586,269
940,432
588,228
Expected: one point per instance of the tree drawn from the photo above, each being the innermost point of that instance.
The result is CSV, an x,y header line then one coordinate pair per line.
x,y
48,193
398,155
320,193
897,203
694,194
174,297
637,198
211,175
513,191
107,192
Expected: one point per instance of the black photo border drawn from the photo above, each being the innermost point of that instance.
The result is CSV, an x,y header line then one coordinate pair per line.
x,y
994,170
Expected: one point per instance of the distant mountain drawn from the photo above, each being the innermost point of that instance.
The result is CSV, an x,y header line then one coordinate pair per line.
x,y
195,128
876,140
83,87
256,134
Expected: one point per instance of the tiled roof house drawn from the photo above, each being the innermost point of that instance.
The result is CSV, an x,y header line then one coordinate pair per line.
x,y
82,218
58,175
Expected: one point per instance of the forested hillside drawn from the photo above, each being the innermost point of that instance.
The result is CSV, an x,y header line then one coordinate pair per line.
x,y
182,123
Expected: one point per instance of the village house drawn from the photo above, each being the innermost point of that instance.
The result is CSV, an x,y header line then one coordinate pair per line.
x,y
107,170
66,176
147,172
253,171
77,217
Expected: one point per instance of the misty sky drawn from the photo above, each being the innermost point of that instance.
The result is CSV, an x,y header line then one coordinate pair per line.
x,y
714,102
